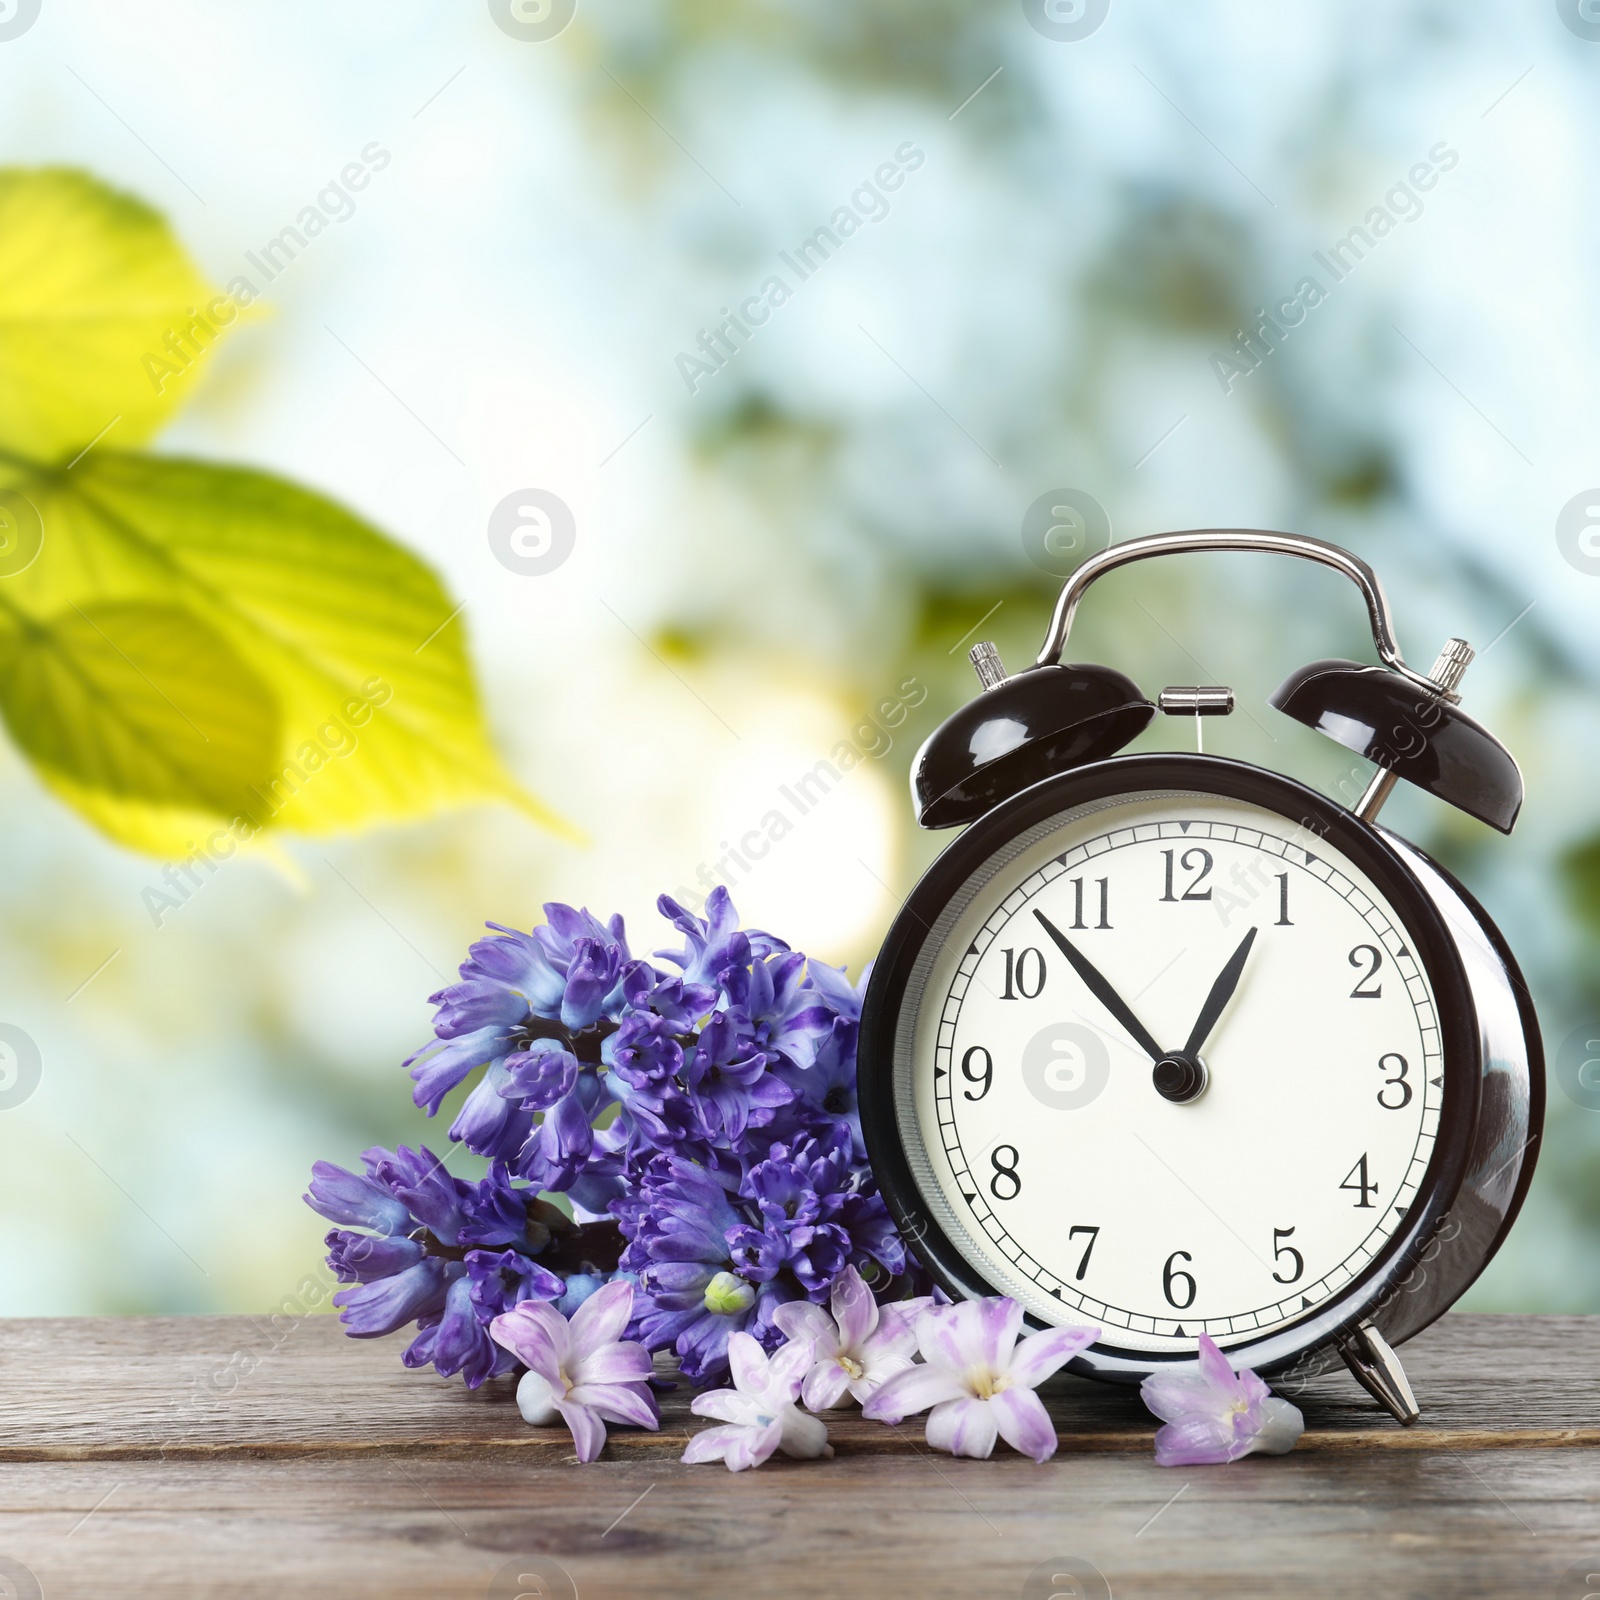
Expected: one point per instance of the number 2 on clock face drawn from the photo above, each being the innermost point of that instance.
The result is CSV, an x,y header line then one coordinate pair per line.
x,y
1088,1195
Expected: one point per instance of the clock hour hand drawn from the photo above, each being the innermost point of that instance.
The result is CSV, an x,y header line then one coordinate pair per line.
x,y
1100,989
1221,994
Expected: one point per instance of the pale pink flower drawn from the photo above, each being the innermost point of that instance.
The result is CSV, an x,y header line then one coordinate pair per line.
x,y
759,1413
979,1380
580,1370
855,1349
1215,1414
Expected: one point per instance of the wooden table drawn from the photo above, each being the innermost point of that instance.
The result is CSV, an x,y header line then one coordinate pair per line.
x,y
230,1456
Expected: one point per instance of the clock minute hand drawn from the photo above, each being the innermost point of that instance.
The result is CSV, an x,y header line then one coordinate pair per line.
x,y
1221,994
1101,990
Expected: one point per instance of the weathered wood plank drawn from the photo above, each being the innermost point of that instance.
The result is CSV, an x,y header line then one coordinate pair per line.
x,y
1405,1525
215,1387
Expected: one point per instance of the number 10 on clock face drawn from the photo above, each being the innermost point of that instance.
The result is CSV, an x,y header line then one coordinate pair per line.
x,y
1176,1069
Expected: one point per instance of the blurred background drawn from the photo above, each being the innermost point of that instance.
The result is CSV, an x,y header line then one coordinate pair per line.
x,y
1050,224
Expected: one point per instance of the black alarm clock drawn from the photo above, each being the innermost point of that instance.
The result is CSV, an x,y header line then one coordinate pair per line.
x,y
1172,1044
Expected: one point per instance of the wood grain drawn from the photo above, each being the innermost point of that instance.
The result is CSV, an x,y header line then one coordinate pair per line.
x,y
201,1387
1499,1524
318,1466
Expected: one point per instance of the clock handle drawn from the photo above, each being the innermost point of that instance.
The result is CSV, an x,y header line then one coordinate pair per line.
x,y
1197,540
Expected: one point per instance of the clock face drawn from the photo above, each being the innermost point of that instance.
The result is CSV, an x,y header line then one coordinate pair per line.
x,y
1301,1107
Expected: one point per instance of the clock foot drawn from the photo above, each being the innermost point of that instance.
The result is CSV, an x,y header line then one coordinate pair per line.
x,y
1377,1369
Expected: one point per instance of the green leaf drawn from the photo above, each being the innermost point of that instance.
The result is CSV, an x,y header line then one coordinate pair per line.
x,y
92,282
358,646
141,701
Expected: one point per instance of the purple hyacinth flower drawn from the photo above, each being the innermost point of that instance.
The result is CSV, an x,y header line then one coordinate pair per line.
x,y
538,1076
596,983
785,1015
843,997
794,1231
364,1257
458,1339
714,943
493,1120
358,1202
495,1213
453,1340
689,1297
503,1279
727,1080
418,1179
1214,1414
520,991
560,1146
813,1214
979,1380
370,1310
828,1085
730,1156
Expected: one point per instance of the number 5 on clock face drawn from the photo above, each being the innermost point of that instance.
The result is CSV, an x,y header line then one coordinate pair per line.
x,y
1302,1058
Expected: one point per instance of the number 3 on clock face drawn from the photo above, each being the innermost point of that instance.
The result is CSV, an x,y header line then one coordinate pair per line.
x,y
1302,1100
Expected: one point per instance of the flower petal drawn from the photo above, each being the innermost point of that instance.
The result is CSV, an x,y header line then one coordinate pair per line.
x,y
536,1334
727,1405
787,1370
624,1362
803,1436
878,1373
825,1387
994,1324
801,1321
964,1427
1041,1354
1024,1423
1195,1441
748,1363
738,1447
756,1445
939,1338
536,1400
588,1431
976,1333
619,1402
897,1324
1281,1427
854,1309
712,1444
1214,1366
601,1319
1171,1395
912,1391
